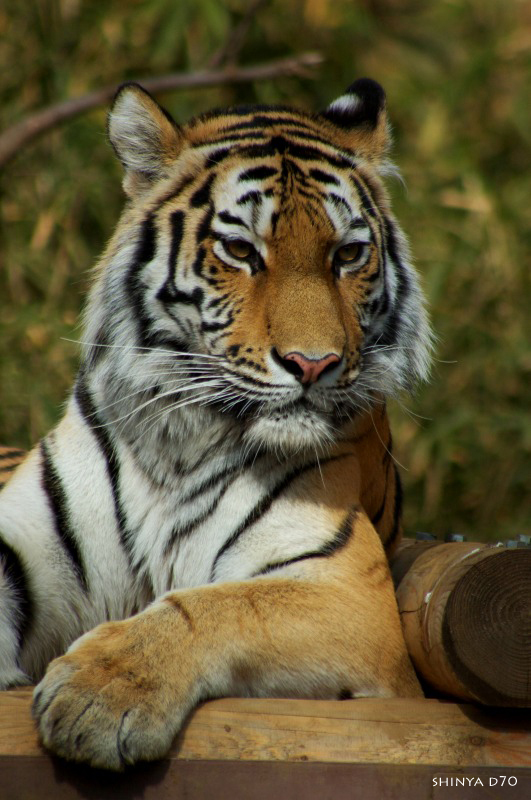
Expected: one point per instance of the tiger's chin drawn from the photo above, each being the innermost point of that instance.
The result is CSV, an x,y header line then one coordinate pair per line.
x,y
291,433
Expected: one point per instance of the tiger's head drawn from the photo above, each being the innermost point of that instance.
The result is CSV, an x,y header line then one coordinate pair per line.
x,y
257,274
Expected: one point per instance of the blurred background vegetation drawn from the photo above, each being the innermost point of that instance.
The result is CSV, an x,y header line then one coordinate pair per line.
x,y
457,76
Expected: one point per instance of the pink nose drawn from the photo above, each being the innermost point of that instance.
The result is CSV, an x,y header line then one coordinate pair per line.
x,y
310,369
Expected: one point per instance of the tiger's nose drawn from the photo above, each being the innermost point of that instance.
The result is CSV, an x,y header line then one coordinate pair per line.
x,y
307,370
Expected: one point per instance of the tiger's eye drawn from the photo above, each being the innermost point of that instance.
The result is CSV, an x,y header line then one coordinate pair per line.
x,y
238,248
348,253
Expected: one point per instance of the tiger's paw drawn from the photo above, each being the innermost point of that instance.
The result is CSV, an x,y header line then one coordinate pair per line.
x,y
105,702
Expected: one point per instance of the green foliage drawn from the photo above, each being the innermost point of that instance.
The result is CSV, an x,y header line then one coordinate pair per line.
x,y
457,77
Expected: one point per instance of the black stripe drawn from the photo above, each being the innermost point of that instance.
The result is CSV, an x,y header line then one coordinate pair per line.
x,y
392,325
99,348
168,291
13,453
9,467
249,362
17,579
145,252
341,537
340,201
212,327
243,110
290,169
375,519
386,461
310,153
323,177
392,246
309,195
255,211
209,483
203,229
257,173
204,456
359,222
308,136
88,411
171,194
212,481
217,300
292,132
376,223
177,231
57,500
169,294
194,298
181,532
369,192
263,120
231,219
221,336
397,511
265,504
226,477
231,138
217,156
254,196
201,197
303,152
247,379
366,201
198,263
383,302
300,150
257,140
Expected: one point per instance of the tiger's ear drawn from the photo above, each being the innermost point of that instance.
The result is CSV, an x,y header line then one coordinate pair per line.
x,y
144,136
360,114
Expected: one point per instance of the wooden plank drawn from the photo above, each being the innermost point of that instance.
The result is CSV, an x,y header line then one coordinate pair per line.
x,y
365,731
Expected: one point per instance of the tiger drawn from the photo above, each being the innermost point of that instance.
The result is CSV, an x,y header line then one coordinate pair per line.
x,y
214,513
10,458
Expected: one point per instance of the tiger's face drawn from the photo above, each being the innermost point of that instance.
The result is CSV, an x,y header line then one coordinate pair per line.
x,y
260,253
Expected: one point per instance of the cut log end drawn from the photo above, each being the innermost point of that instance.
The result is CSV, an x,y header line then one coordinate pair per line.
x,y
486,629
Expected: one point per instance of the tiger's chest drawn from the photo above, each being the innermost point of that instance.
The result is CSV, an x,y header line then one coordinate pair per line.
x,y
224,520
177,530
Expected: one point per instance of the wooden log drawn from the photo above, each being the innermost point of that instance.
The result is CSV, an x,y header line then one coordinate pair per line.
x,y
466,617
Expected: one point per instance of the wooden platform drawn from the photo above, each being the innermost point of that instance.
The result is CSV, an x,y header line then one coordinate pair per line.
x,y
248,749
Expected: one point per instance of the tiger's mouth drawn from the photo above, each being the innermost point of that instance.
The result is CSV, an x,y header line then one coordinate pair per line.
x,y
246,409
297,424
292,428
280,418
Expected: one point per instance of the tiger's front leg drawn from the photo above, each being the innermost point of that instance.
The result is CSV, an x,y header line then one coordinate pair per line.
x,y
321,627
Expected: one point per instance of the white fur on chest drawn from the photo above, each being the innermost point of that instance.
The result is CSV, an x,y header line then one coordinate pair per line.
x,y
177,542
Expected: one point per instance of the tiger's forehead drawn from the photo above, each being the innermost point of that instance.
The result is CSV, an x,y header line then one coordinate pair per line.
x,y
268,162
259,132
261,195
259,123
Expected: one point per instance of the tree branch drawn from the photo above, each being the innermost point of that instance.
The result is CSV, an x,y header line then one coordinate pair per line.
x,y
228,53
16,137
